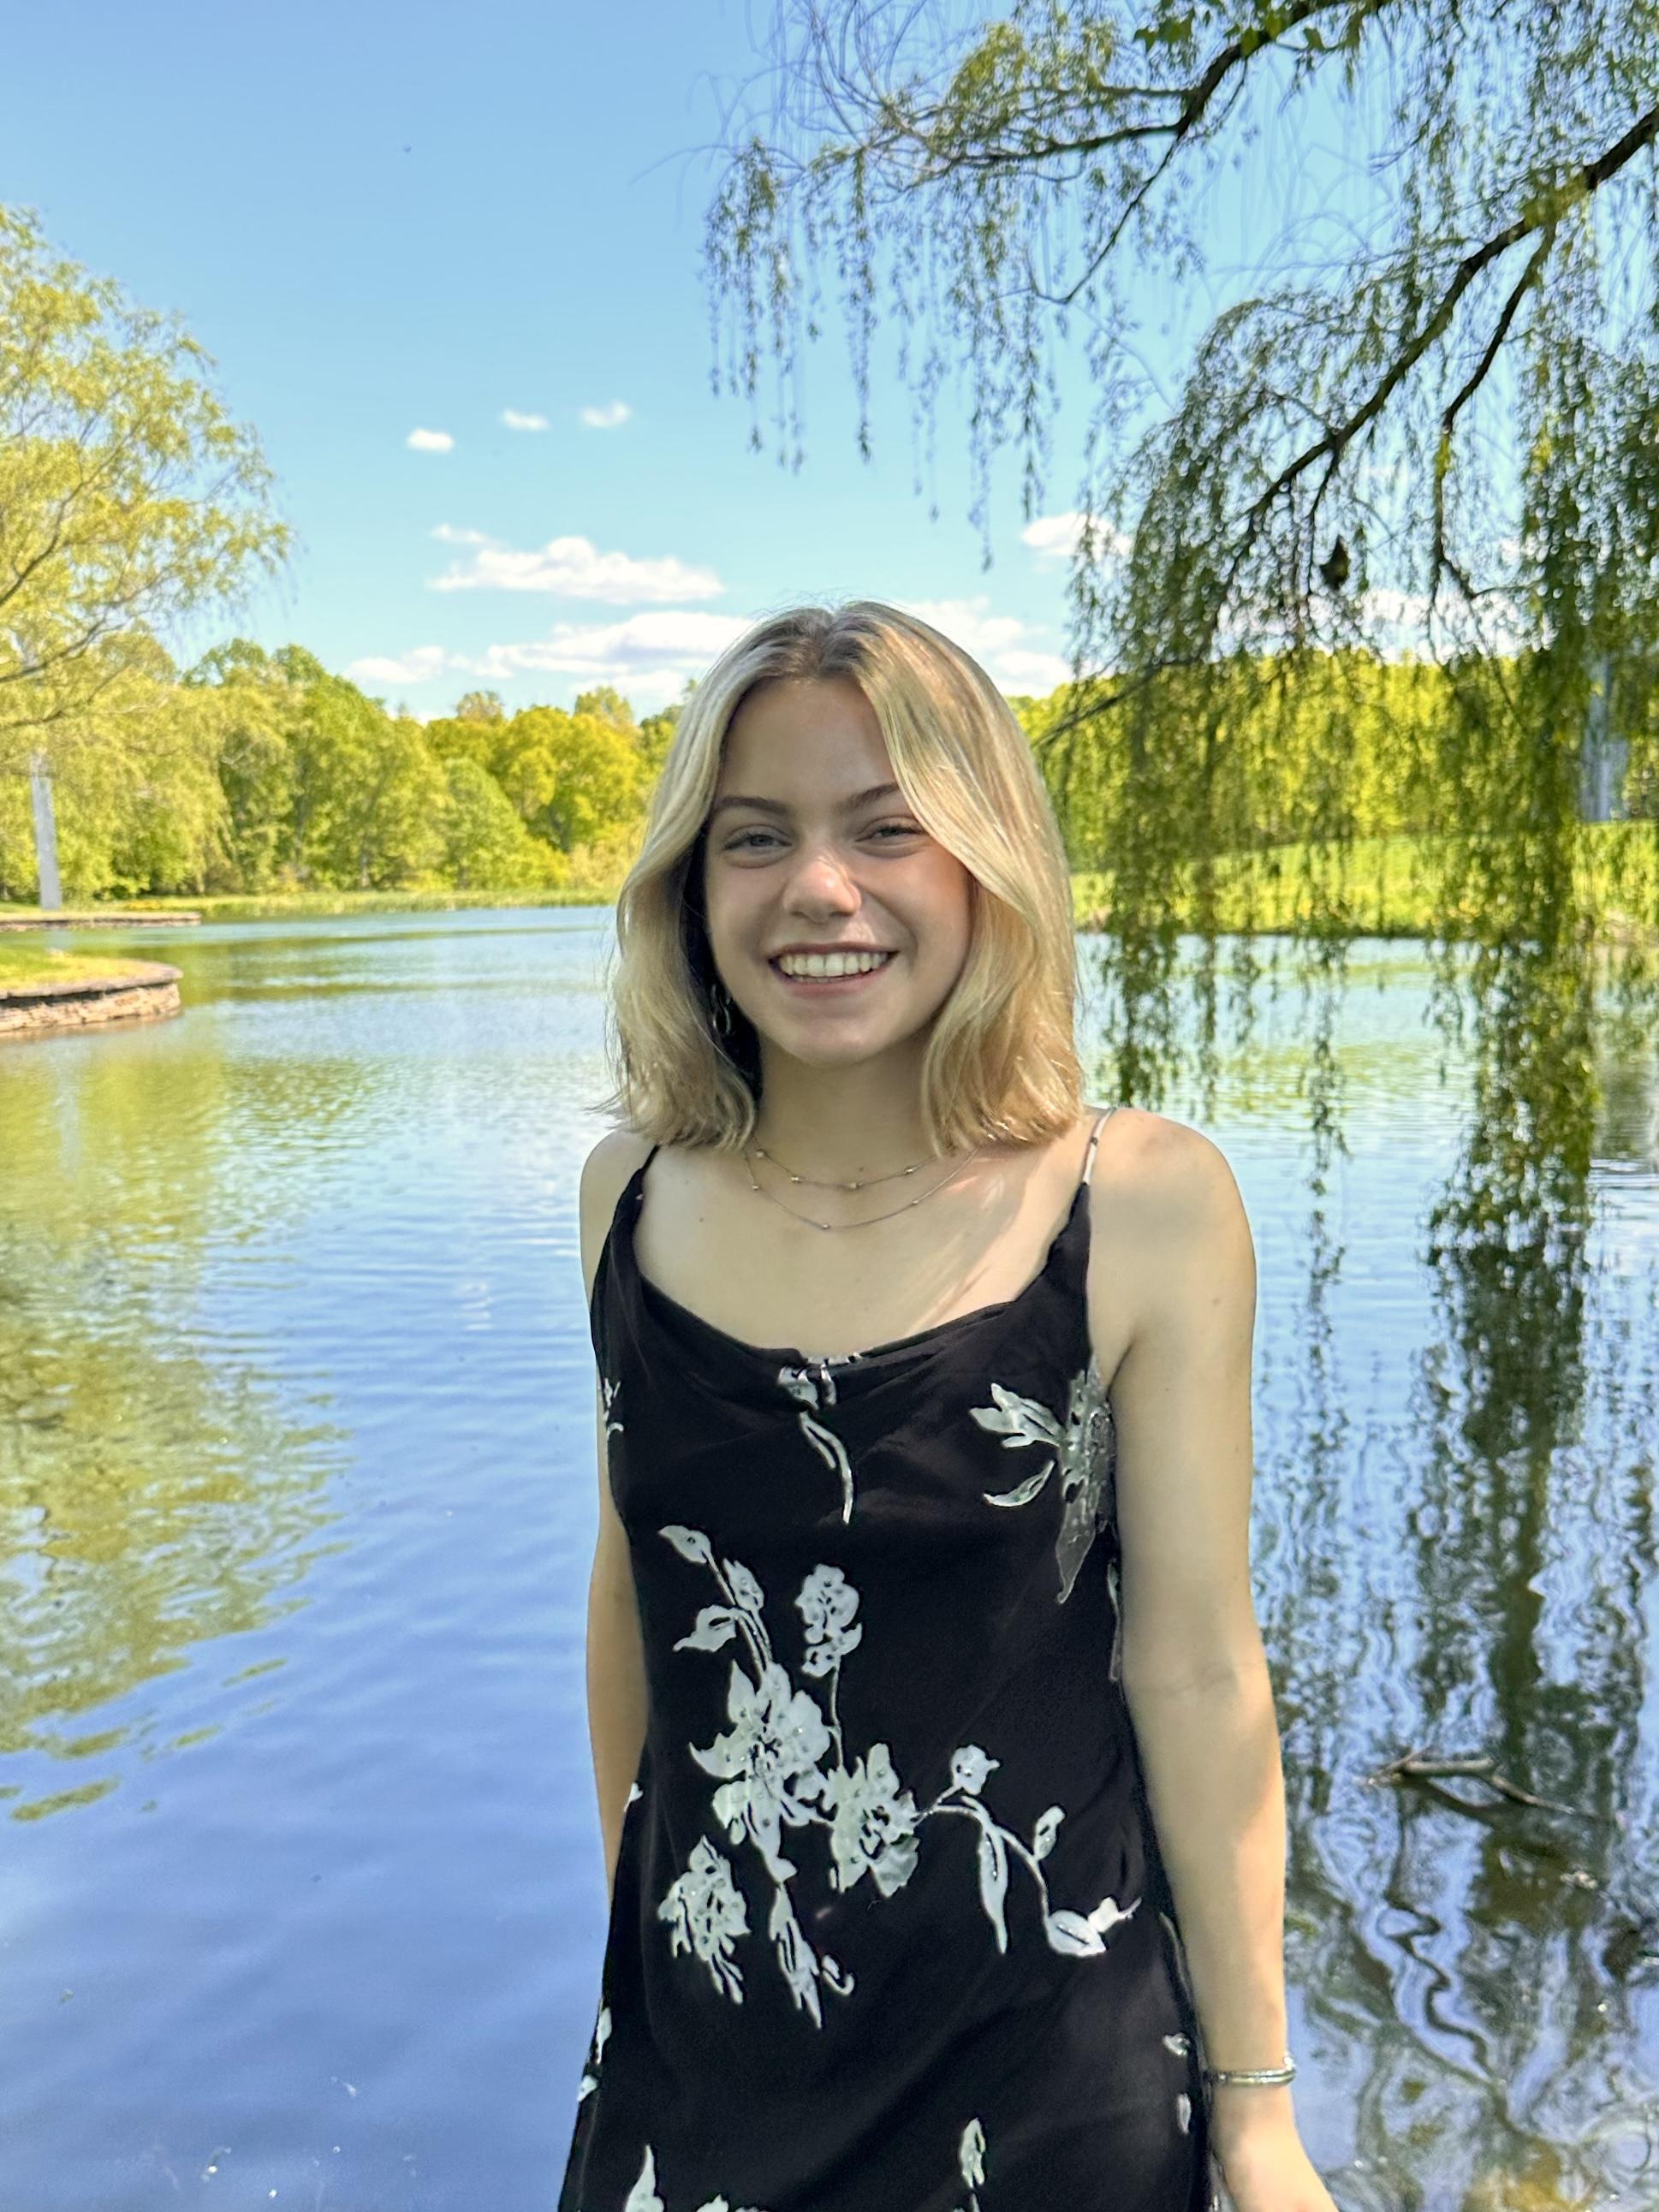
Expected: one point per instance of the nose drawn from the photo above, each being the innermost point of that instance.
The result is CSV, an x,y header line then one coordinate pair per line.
x,y
820,884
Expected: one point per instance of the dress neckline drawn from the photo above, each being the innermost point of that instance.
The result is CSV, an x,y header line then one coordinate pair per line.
x,y
653,1294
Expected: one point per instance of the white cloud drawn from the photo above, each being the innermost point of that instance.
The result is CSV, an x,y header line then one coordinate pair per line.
x,y
669,646
1400,621
1035,673
647,656
514,421
418,666
608,418
430,441
1056,537
574,567
1013,653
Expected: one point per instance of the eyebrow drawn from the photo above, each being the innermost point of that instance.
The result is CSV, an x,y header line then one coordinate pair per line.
x,y
850,805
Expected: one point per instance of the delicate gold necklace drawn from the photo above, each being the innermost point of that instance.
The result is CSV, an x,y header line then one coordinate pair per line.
x,y
818,1182
874,1218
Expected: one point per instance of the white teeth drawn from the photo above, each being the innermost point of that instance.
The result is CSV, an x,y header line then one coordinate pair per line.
x,y
833,963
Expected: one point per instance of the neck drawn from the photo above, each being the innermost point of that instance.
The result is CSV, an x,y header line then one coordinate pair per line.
x,y
839,1124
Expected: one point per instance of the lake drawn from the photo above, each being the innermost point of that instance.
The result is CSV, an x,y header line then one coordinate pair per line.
x,y
302,1899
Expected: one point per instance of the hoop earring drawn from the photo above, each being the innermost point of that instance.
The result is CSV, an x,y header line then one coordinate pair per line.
x,y
720,1000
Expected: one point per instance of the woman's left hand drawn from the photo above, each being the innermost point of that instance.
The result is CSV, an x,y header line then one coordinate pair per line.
x,y
1267,2169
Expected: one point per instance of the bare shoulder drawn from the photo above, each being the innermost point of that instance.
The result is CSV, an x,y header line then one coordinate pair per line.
x,y
605,1176
1165,1201
1164,1165
1176,1304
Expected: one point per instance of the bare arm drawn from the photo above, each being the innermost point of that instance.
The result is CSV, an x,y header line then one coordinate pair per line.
x,y
616,1656
1194,1673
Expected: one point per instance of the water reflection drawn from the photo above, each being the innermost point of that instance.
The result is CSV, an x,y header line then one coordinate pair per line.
x,y
153,1498
301,1880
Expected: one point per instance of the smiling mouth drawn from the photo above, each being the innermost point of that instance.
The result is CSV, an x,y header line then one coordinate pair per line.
x,y
843,979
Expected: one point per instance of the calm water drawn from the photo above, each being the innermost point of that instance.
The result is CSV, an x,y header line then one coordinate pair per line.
x,y
300,1892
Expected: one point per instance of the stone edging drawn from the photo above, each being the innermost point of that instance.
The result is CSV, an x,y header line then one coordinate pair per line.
x,y
148,990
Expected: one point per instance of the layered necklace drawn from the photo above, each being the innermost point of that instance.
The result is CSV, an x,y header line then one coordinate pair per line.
x,y
865,1183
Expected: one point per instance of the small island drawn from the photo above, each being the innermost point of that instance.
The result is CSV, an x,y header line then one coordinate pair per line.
x,y
42,989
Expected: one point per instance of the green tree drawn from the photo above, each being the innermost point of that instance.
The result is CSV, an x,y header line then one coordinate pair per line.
x,y
608,705
140,807
129,499
572,777
657,731
486,846
369,792
253,702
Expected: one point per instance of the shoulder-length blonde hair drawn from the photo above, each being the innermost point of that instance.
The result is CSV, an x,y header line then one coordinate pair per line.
x,y
1000,1064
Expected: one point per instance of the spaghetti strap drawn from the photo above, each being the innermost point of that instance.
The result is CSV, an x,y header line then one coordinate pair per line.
x,y
1101,1120
636,1182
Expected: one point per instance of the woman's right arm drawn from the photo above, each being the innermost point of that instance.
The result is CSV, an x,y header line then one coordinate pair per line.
x,y
615,1654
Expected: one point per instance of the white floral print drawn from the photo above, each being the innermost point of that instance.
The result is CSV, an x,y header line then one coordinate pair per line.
x,y
813,1387
590,2079
1083,1445
643,2198
783,1763
971,2157
1179,2044
608,1390
705,1910
827,1603
971,2160
873,1830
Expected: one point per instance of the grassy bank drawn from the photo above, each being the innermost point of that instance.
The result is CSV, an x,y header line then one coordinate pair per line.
x,y
300,906
1380,892
25,961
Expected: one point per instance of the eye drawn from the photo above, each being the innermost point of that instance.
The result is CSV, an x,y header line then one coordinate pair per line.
x,y
745,840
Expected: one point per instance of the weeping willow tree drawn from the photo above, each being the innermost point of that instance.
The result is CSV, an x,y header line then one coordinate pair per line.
x,y
1439,445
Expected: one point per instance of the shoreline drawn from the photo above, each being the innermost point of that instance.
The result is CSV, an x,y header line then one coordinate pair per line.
x,y
98,918
142,990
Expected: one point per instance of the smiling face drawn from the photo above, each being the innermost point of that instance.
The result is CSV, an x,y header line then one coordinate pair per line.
x,y
811,844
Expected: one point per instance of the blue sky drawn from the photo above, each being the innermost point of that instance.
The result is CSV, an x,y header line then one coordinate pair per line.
x,y
383,221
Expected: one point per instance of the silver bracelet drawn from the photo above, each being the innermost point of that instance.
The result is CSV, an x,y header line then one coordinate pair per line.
x,y
1261,2075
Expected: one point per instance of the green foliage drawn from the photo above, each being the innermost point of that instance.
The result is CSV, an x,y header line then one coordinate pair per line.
x,y
128,497
263,772
608,705
571,775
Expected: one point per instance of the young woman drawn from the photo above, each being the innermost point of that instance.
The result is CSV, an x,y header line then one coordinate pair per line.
x,y
936,1756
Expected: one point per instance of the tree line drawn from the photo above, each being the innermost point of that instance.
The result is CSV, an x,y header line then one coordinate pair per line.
x,y
257,771
263,772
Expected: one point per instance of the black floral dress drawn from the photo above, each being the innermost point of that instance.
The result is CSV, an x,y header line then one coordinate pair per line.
x,y
889,1929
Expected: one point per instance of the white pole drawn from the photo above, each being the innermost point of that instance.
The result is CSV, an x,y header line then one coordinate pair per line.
x,y
45,834
1604,756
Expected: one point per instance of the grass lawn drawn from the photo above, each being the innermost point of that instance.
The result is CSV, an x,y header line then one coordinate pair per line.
x,y
24,960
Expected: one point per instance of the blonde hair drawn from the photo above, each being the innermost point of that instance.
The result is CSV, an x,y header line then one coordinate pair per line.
x,y
1000,1064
